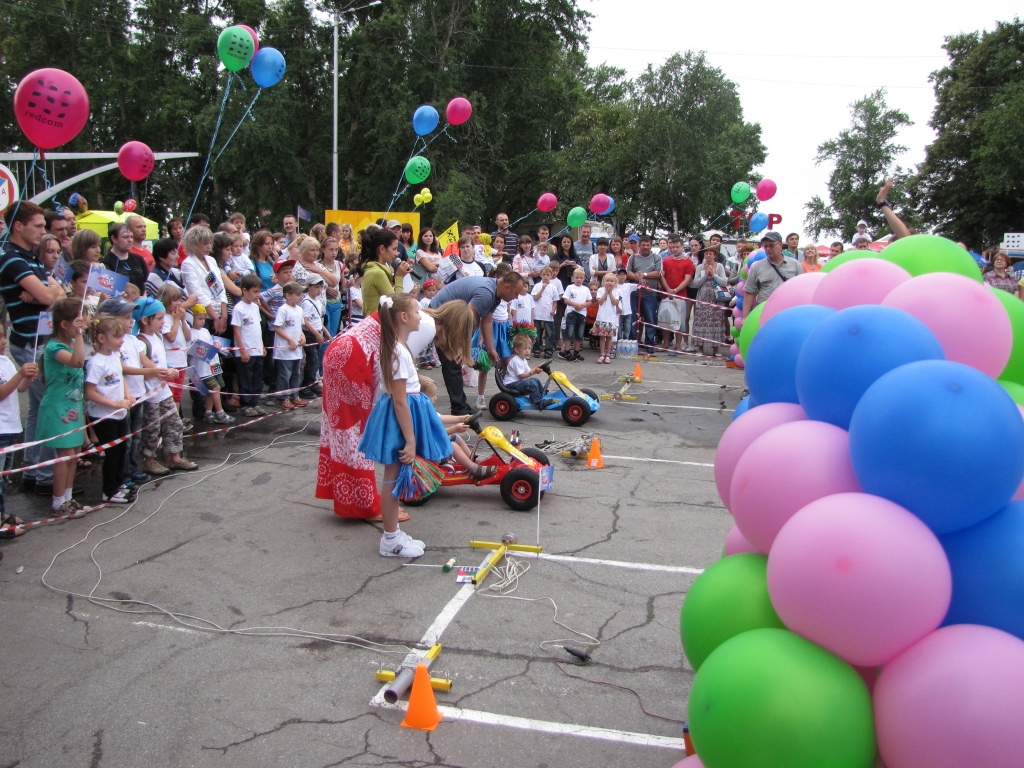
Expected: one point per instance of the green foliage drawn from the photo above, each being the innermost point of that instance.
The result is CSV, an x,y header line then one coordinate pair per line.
x,y
970,184
863,156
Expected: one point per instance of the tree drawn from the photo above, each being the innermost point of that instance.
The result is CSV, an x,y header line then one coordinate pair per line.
x,y
863,156
970,183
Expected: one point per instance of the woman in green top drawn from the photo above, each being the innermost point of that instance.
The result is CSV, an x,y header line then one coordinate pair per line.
x,y
60,410
380,249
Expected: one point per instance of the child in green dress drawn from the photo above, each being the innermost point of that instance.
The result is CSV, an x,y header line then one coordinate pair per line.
x,y
60,410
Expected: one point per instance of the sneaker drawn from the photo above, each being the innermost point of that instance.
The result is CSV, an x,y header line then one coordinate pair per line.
x,y
155,468
577,357
261,412
140,477
548,354
74,503
565,355
537,353
402,545
250,412
68,509
209,417
299,403
118,497
186,423
481,402
223,418
689,348
547,403
284,405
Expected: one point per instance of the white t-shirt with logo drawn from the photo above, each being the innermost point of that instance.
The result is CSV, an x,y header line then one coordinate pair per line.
x,y
545,298
521,309
131,357
311,312
247,317
289,320
105,372
608,312
516,367
579,294
10,408
203,368
177,350
158,354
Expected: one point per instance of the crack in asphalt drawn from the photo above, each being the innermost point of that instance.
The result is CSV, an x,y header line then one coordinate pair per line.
x,y
68,611
167,551
280,726
342,600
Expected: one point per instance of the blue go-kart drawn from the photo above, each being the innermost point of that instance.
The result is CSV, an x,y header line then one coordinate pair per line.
x,y
576,405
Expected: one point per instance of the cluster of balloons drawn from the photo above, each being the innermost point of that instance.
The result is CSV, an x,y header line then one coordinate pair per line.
x,y
423,196
868,609
602,204
51,107
239,47
425,119
740,193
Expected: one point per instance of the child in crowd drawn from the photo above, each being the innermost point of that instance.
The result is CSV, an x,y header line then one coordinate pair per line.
x,y
245,320
625,289
131,292
355,300
160,417
80,292
577,299
467,255
60,410
454,426
177,337
238,261
109,401
270,301
594,286
333,297
523,262
609,308
288,347
280,238
428,357
12,381
519,375
314,307
521,307
546,292
209,373
403,423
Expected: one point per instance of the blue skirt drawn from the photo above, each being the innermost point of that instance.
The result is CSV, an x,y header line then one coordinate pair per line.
x,y
383,439
501,340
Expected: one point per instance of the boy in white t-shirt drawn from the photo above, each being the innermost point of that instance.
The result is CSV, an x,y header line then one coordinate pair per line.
x,y
245,322
577,299
288,347
209,372
545,293
625,291
12,381
519,375
521,307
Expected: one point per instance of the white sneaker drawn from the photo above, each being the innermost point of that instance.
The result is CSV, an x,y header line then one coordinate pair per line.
x,y
121,496
402,545
481,402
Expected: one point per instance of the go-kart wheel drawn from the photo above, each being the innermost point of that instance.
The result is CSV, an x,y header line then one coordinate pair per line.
x,y
418,502
575,411
591,393
503,407
537,454
519,489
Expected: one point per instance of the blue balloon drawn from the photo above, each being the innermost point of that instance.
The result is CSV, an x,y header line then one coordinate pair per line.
x,y
267,67
742,407
424,120
739,302
988,571
940,439
611,206
755,257
771,359
847,353
758,221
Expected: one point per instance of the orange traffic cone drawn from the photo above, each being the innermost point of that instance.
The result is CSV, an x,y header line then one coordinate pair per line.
x,y
594,460
422,714
637,375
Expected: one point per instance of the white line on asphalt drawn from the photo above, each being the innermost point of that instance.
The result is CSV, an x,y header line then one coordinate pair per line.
x,y
689,383
659,461
613,563
154,625
444,618
659,405
545,726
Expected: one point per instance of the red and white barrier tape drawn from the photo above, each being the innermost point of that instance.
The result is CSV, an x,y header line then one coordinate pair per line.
x,y
60,518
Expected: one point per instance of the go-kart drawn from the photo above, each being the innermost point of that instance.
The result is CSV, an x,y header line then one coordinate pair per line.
x,y
575,404
518,476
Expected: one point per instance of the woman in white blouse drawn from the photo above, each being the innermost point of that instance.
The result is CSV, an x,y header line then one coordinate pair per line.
x,y
201,275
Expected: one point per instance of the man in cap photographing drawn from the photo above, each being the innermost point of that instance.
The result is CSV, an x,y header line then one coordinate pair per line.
x,y
769,273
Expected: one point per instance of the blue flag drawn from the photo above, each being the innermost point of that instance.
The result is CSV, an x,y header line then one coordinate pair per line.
x,y
103,280
62,271
204,350
303,214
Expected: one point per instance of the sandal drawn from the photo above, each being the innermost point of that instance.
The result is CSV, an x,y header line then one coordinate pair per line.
x,y
403,516
11,520
482,472
9,529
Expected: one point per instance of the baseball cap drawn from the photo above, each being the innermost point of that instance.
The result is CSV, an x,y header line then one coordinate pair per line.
x,y
392,223
430,284
634,238
315,280
115,306
862,222
286,263
775,237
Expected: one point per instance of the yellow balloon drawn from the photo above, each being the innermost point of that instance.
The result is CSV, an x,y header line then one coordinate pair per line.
x,y
425,192
427,197
418,199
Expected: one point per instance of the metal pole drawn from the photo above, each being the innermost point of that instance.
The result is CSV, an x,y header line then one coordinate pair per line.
x,y
334,159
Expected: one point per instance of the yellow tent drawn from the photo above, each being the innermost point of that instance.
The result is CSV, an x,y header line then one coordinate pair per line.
x,y
98,221
362,219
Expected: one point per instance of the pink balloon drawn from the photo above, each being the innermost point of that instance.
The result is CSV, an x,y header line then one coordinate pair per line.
x,y
600,203
784,470
458,111
547,202
861,281
255,38
734,349
766,189
738,359
135,160
742,432
690,762
792,293
953,700
735,544
965,316
738,322
51,107
869,675
860,576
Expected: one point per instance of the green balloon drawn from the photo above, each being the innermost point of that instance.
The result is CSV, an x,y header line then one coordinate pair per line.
x,y
843,258
729,598
1014,370
1015,390
734,332
751,323
922,254
577,217
235,48
118,207
771,699
417,169
740,192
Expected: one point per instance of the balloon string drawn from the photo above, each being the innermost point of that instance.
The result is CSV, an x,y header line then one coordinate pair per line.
x,y
396,194
428,143
21,196
213,140
47,185
523,217
241,120
560,232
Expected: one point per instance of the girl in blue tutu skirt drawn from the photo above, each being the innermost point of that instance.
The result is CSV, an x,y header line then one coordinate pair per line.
x,y
403,423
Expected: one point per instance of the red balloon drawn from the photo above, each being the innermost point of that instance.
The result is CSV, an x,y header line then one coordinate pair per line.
x,y
51,107
459,110
547,202
255,39
600,203
766,189
129,205
135,160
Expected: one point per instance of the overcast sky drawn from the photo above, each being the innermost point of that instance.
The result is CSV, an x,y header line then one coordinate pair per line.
x,y
799,65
